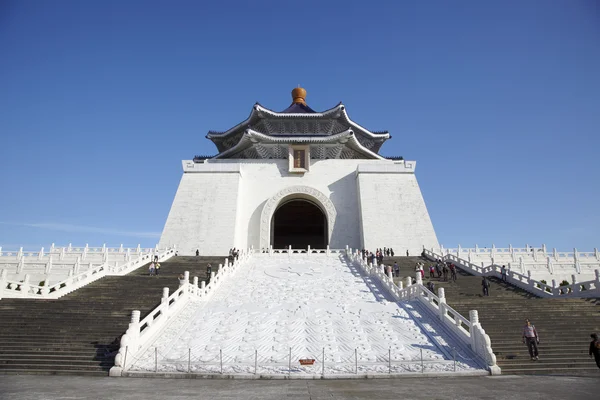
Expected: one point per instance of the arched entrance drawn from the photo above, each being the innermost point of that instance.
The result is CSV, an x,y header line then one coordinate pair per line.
x,y
299,223
296,192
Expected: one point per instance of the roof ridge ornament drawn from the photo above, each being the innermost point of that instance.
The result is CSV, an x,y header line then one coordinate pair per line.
x,y
299,95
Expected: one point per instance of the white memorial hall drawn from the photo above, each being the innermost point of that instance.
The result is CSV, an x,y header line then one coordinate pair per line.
x,y
298,178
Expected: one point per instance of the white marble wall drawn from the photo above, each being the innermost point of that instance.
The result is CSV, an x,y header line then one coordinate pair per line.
x,y
392,209
220,204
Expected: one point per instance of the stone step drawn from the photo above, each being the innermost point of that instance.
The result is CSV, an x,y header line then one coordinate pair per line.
x,y
67,366
33,371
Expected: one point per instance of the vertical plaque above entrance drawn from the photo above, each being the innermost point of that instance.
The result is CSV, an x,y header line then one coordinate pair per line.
x,y
299,191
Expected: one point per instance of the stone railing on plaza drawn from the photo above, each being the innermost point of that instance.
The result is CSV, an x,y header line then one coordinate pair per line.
x,y
588,288
296,251
141,333
469,331
11,288
541,262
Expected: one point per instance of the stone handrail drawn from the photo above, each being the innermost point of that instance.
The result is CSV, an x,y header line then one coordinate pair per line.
x,y
14,289
469,331
291,251
140,334
589,288
70,250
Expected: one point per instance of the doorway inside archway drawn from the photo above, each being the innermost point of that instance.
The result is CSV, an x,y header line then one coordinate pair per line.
x,y
299,223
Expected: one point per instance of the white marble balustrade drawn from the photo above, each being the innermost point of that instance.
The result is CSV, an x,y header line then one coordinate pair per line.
x,y
552,288
469,330
140,333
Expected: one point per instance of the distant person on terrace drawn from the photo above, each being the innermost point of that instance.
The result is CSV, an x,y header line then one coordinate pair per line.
x,y
595,348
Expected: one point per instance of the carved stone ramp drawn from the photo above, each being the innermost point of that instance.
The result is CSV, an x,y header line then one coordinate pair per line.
x,y
69,335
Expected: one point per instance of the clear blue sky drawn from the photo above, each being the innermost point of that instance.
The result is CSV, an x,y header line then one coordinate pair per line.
x,y
498,101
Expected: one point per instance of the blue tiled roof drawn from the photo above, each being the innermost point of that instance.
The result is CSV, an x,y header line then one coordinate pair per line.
x,y
298,108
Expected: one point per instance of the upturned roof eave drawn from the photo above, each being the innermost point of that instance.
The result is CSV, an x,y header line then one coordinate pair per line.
x,y
251,136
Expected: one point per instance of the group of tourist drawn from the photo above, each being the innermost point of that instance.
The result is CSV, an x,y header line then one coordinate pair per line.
x,y
377,257
440,269
233,254
154,268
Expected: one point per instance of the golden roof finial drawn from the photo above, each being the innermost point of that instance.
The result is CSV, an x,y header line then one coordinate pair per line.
x,y
299,95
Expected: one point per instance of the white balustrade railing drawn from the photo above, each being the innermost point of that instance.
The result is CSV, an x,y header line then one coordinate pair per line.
x,y
469,331
589,288
542,262
141,333
292,251
75,280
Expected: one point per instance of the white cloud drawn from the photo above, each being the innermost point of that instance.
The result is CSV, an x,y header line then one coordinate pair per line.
x,y
88,229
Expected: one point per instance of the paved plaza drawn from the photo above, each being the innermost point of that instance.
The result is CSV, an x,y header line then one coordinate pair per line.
x,y
464,388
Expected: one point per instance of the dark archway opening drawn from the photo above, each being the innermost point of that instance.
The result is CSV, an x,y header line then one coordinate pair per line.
x,y
299,223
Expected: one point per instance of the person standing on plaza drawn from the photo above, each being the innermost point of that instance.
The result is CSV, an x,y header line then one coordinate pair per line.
x,y
151,269
396,270
503,272
595,348
531,338
208,272
485,285
453,272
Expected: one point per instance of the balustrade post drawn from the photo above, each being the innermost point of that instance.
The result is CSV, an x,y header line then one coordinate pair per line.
x,y
400,285
474,319
328,250
0,251
597,273
544,249
121,248
41,255
442,303
76,266
21,265
576,288
550,267
195,285
408,281
164,301
4,278
308,250
48,267
521,265
20,253
46,288
134,330
25,285
596,255
70,277
458,250
419,278
69,248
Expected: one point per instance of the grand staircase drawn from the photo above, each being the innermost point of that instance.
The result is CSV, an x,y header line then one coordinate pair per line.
x,y
564,325
69,335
